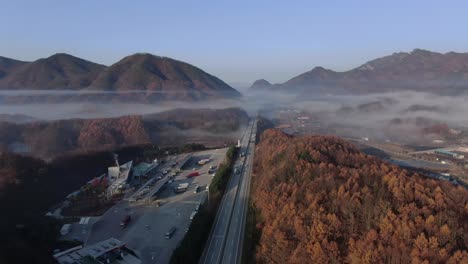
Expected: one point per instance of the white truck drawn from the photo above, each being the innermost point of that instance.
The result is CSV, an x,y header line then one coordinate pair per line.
x,y
203,162
181,188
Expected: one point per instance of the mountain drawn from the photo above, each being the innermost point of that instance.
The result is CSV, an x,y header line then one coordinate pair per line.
x,y
260,84
171,128
7,65
315,76
59,71
419,70
163,76
148,77
319,198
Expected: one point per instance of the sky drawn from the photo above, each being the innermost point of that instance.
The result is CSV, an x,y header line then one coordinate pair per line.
x,y
238,41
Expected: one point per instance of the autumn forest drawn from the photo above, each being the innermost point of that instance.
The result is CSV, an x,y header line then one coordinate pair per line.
x,y
319,198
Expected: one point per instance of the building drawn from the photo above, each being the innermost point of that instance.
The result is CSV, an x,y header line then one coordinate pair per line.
x,y
117,177
143,169
449,154
110,251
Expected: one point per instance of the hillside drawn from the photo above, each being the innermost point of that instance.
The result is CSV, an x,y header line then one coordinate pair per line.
x,y
165,77
8,65
260,85
175,127
138,77
59,71
319,198
419,70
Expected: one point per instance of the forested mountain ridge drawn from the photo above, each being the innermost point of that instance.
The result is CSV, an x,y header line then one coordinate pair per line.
x,y
418,70
321,200
59,71
48,139
148,76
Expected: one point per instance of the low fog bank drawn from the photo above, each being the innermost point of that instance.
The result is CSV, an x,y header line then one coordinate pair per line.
x,y
400,116
372,112
60,111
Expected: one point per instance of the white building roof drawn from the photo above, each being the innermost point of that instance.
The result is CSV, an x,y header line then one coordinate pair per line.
x,y
74,256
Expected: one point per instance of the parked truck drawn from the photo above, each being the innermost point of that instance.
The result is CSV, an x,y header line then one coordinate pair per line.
x,y
181,188
203,161
124,223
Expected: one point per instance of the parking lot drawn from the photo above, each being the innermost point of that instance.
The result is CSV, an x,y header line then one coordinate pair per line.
x,y
149,223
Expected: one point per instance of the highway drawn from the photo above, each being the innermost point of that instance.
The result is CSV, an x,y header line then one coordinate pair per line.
x,y
226,237
232,252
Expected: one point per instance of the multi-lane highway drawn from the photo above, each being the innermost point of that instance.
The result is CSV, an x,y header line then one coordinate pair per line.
x,y
226,238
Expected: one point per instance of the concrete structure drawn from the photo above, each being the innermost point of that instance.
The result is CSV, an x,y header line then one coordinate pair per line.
x,y
109,251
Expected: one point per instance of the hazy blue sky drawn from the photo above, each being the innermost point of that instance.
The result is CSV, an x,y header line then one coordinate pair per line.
x,y
239,41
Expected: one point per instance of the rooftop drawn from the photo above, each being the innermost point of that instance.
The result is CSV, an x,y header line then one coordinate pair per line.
x,y
143,168
90,254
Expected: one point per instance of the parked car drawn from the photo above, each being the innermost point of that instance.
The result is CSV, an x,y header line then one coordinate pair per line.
x,y
170,232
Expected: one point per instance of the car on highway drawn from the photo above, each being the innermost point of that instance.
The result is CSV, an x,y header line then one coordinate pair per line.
x,y
171,232
197,207
196,189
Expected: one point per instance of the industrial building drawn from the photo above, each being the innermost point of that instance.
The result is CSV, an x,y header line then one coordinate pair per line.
x,y
110,251
117,177
449,154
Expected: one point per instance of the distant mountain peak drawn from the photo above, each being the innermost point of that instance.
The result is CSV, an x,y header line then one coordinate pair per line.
x,y
260,84
168,77
422,52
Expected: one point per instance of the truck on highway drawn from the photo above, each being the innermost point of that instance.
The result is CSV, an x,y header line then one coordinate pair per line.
x,y
236,170
124,223
181,188
193,174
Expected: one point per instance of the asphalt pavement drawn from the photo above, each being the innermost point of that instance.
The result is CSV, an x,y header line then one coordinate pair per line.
x,y
226,238
232,252
148,225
